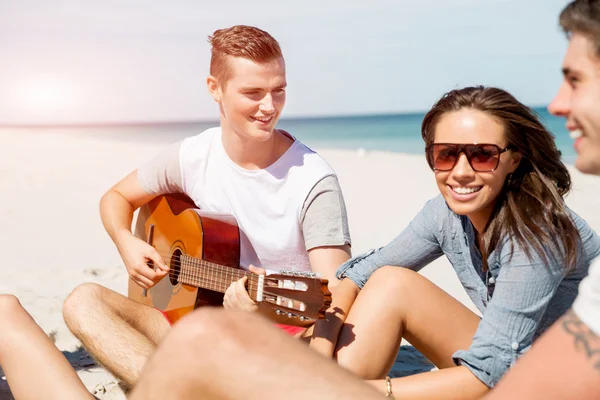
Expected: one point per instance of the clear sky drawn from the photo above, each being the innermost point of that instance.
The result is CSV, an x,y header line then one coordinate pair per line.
x,y
82,61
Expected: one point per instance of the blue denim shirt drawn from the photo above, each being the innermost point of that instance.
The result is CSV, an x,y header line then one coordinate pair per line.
x,y
518,297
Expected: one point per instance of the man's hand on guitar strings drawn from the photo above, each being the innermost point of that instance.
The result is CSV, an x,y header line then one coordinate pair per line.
x,y
237,297
145,266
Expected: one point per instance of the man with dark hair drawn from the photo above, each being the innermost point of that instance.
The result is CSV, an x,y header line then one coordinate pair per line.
x,y
565,362
285,197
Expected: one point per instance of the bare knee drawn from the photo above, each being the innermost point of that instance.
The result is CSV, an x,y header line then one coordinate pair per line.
x,y
10,309
8,302
393,281
80,302
389,293
15,320
392,272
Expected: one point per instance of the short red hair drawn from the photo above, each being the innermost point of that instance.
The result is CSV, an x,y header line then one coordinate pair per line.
x,y
240,41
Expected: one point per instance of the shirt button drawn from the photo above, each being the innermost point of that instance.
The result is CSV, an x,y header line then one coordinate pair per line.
x,y
515,346
492,280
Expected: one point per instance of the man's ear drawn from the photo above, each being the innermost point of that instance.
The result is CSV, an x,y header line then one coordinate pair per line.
x,y
214,88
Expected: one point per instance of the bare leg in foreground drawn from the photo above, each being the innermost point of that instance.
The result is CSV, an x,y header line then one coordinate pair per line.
x,y
216,353
34,368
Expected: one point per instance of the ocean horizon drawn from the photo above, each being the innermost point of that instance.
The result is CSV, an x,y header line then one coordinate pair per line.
x,y
399,133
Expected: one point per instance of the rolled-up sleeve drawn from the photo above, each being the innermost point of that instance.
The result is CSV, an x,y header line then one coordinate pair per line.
x,y
414,248
523,290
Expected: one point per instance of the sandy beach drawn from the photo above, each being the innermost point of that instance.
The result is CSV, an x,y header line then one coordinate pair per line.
x,y
52,238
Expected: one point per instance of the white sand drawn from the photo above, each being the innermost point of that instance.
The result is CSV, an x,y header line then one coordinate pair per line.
x,y
52,238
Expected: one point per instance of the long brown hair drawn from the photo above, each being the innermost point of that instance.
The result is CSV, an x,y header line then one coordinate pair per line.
x,y
530,209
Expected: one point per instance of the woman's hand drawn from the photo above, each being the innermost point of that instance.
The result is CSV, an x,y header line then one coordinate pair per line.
x,y
325,336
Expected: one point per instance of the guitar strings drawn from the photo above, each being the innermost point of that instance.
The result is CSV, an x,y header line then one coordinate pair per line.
x,y
212,276
210,270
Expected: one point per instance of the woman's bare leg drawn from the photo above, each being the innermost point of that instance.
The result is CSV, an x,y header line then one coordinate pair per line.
x,y
395,303
219,354
34,367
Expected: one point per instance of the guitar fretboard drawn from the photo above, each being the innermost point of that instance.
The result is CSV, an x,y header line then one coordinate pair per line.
x,y
208,275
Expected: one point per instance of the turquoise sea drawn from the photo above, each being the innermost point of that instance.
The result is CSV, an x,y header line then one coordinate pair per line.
x,y
394,132
398,133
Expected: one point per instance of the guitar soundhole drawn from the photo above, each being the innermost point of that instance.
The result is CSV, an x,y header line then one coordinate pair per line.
x,y
175,267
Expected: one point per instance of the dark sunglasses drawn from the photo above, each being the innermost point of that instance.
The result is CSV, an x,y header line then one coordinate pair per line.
x,y
481,157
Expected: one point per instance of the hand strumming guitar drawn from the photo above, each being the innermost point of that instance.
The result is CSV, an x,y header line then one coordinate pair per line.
x,y
145,266
236,295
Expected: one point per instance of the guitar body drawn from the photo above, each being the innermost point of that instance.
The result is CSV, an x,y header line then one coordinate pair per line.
x,y
174,226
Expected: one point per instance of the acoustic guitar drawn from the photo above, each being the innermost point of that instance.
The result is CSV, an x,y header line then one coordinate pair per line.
x,y
202,250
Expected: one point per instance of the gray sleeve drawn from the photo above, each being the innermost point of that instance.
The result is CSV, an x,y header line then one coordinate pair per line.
x,y
415,247
323,216
162,174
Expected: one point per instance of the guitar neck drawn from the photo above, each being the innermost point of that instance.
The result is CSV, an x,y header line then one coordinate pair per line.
x,y
208,275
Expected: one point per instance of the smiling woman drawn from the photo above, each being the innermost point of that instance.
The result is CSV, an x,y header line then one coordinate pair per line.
x,y
502,223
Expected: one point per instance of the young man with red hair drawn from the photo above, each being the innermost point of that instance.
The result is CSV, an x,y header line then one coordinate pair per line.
x,y
285,198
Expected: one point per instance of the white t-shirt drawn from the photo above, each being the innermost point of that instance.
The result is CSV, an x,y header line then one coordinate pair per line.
x,y
272,206
587,303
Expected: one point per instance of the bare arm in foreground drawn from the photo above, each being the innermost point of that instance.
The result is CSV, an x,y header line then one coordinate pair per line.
x,y
231,354
563,364
238,355
212,351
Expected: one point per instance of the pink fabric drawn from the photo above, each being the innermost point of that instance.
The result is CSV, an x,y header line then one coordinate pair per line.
x,y
289,329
